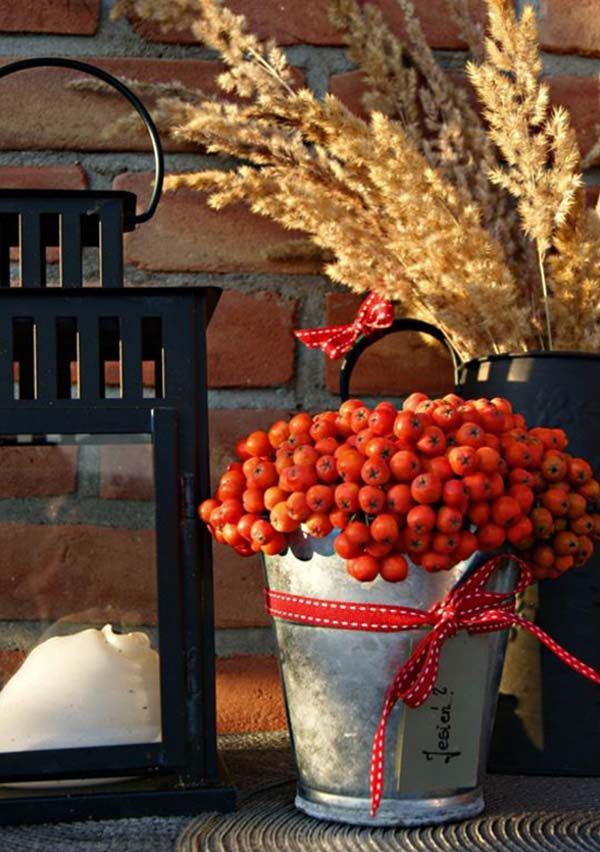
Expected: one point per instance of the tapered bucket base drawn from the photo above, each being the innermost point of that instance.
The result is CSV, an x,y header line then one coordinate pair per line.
x,y
392,812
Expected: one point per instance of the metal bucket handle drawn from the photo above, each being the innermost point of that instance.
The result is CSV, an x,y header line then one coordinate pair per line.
x,y
93,71
402,324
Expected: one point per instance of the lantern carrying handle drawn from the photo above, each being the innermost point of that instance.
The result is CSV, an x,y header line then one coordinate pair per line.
x,y
400,324
92,70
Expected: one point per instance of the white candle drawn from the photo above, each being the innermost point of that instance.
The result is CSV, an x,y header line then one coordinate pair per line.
x,y
91,688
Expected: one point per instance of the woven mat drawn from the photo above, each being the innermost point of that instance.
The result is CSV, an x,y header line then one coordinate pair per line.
x,y
149,834
522,815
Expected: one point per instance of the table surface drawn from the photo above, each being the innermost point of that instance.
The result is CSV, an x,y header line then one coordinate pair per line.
x,y
522,813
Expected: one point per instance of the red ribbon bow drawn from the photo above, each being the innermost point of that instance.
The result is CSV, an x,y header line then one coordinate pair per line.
x,y
466,607
335,340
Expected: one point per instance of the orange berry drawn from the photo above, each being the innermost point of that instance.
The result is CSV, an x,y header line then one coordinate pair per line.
x,y
433,561
556,501
543,555
277,545
300,423
491,536
278,433
318,525
258,444
282,520
319,498
385,528
520,530
565,543
543,522
505,510
488,459
364,568
297,506
583,525
358,533
394,568
563,563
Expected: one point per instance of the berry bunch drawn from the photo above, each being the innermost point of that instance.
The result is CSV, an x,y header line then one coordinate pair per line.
x,y
434,482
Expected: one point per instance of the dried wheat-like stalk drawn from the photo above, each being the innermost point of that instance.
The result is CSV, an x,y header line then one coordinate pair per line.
x,y
538,145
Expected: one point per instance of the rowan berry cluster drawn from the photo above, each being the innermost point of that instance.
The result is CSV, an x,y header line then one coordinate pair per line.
x,y
429,484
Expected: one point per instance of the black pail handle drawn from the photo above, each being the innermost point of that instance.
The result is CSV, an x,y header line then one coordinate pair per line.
x,y
402,324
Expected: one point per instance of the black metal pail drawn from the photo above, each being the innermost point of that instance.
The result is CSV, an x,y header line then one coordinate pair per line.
x,y
548,718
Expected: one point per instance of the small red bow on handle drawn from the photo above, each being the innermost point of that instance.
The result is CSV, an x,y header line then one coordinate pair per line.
x,y
335,340
466,607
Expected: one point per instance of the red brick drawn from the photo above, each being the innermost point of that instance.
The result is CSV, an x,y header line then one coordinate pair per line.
x,y
55,116
579,94
37,471
239,584
290,22
112,375
238,581
349,87
88,573
10,661
568,27
249,696
67,17
250,341
42,177
395,366
185,235
126,472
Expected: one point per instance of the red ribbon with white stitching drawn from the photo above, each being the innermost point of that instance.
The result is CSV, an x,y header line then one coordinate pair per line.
x,y
466,607
335,340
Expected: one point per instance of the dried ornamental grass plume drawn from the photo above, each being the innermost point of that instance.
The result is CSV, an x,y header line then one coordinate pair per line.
x,y
391,82
168,14
471,30
371,199
574,266
392,210
255,68
593,154
446,129
454,140
538,145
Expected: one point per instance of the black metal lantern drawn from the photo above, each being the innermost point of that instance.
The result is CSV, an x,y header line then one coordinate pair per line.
x,y
103,461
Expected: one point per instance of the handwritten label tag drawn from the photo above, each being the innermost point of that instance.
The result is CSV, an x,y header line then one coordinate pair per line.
x,y
439,743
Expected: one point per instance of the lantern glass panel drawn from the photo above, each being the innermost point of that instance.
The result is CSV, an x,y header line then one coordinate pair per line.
x,y
79,662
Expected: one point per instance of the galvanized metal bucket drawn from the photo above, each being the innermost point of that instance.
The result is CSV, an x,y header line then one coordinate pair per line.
x,y
335,682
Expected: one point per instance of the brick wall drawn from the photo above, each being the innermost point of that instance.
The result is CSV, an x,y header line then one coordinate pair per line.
x,y
51,136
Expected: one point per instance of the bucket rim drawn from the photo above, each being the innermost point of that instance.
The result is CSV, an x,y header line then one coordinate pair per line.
x,y
568,354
